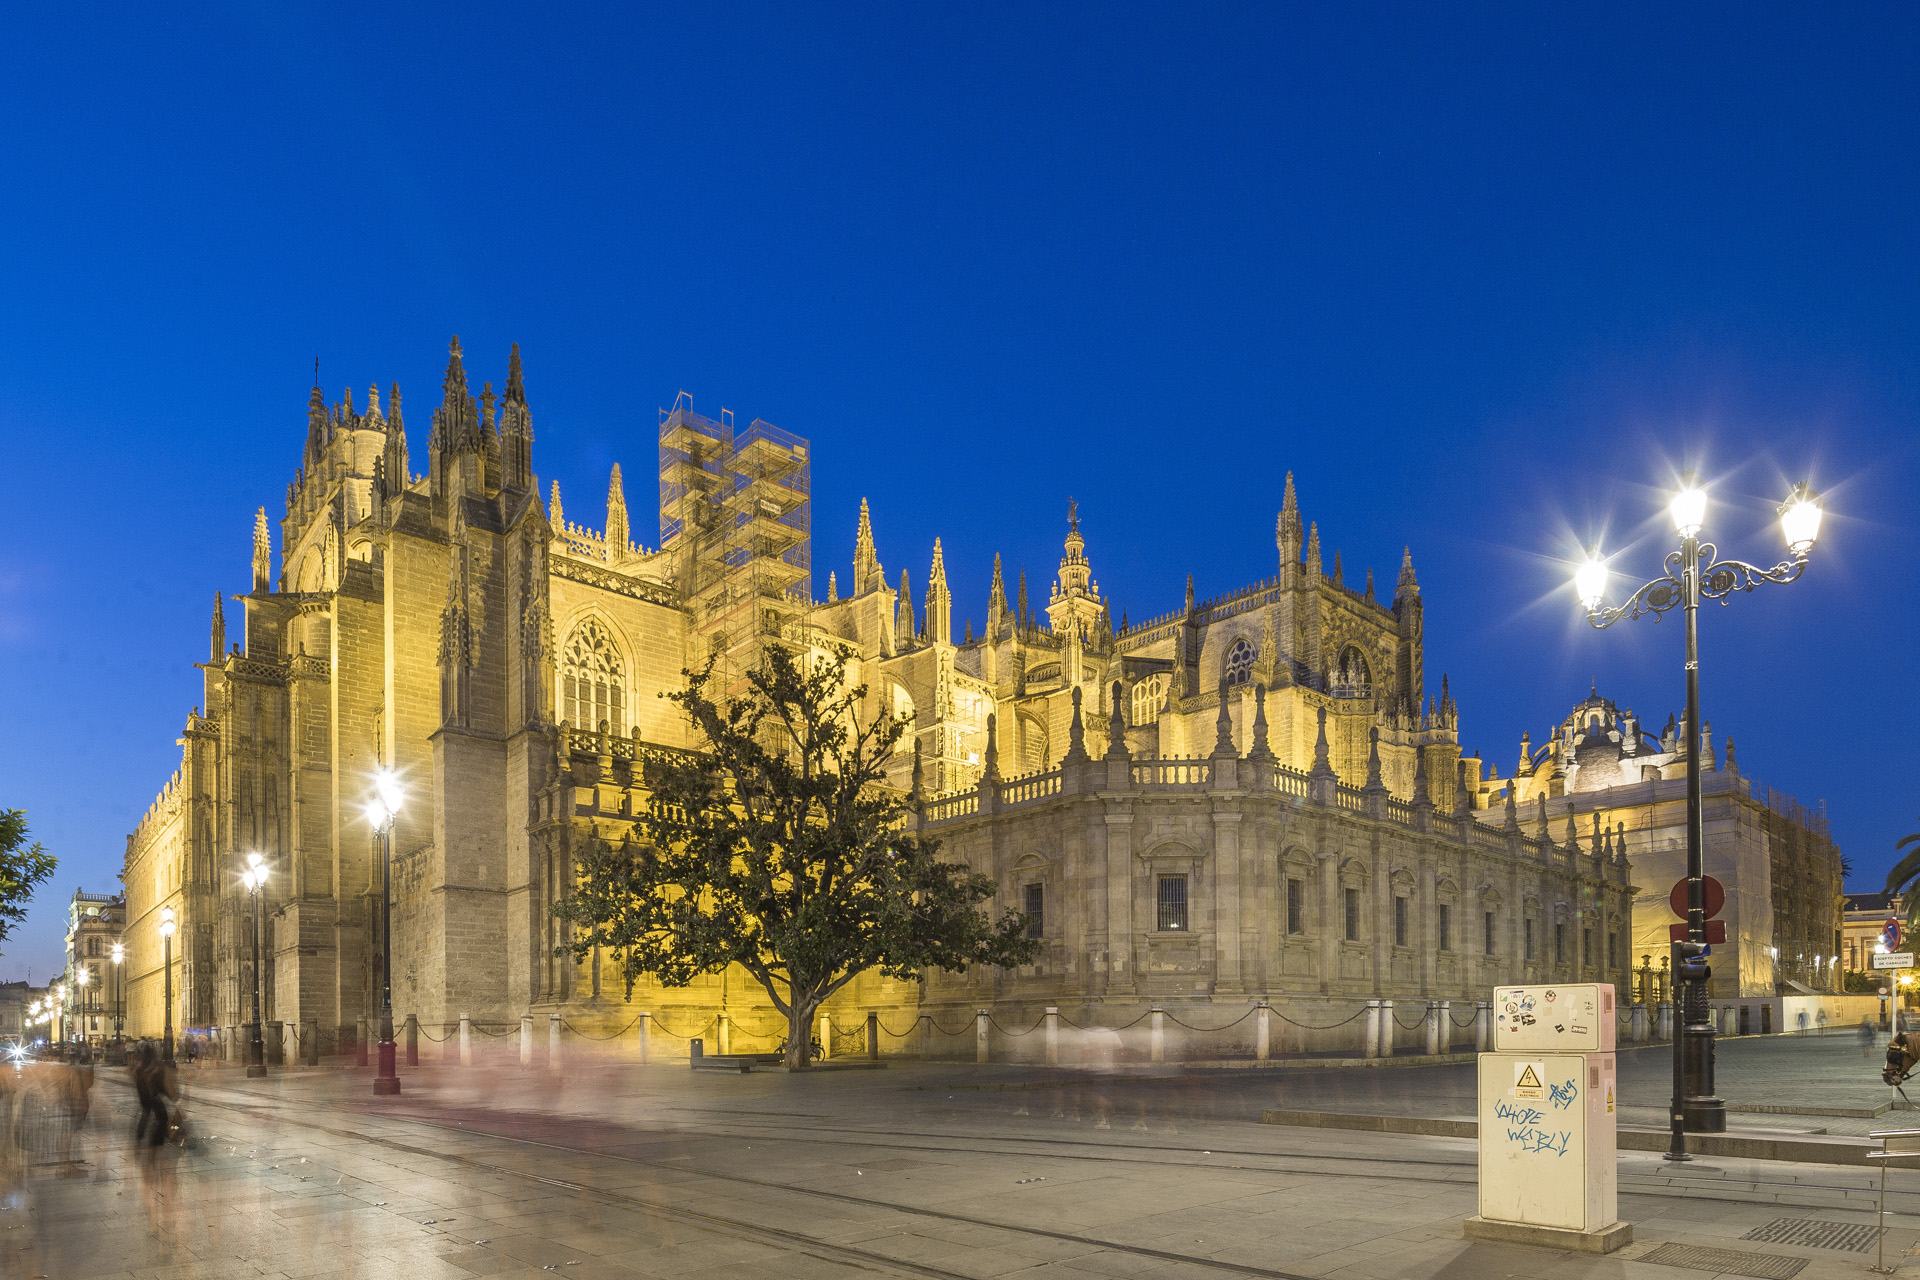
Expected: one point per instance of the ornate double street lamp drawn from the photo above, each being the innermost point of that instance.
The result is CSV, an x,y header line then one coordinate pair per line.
x,y
383,811
255,878
82,976
166,967
119,991
1693,572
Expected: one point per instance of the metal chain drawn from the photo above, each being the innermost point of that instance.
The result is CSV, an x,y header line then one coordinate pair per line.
x,y
588,1035
1236,1022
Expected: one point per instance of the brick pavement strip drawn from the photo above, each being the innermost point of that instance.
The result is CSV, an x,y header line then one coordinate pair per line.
x,y
656,1172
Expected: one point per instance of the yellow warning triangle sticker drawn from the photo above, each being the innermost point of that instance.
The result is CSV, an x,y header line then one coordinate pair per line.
x,y
1527,1079
1609,1098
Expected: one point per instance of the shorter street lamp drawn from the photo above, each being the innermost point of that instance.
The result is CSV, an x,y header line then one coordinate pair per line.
x,y
119,991
255,878
80,999
383,811
166,965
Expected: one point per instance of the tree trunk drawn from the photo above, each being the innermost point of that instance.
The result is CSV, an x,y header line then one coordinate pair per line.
x,y
800,1033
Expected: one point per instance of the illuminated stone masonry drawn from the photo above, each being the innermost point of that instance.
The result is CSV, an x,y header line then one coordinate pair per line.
x,y
1250,796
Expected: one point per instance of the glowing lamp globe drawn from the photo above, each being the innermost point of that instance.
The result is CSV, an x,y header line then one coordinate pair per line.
x,y
1800,519
1590,582
1689,510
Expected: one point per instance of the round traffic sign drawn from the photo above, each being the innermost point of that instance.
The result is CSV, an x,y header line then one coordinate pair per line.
x,y
1713,897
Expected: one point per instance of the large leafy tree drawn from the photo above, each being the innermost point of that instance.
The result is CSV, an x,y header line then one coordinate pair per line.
x,y
780,848
1904,879
22,867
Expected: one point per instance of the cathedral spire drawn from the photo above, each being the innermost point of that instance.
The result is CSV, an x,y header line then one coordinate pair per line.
x,y
866,561
904,627
1189,608
316,423
516,429
1286,529
262,553
1313,551
996,602
1408,585
939,600
555,516
218,647
1022,617
393,454
1339,575
833,587
616,517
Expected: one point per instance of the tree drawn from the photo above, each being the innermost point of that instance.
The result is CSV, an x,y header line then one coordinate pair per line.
x,y
22,867
780,848
1904,879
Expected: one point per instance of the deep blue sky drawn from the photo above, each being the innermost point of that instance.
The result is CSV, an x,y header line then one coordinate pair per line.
x,y
1481,279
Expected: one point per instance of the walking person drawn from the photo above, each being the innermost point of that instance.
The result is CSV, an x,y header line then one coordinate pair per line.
x,y
1867,1037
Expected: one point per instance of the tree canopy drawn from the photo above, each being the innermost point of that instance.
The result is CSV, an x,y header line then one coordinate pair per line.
x,y
23,867
780,848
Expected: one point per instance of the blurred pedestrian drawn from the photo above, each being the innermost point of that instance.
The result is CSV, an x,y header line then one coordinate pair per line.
x,y
152,1086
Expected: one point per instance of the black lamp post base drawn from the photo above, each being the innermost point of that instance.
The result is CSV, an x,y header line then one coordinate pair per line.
x,y
255,1071
386,1085
387,1081
1704,1115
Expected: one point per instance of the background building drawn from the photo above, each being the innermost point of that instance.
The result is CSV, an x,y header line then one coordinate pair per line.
x,y
15,999
95,922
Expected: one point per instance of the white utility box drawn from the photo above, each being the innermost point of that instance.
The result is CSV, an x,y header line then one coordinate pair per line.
x,y
1548,1117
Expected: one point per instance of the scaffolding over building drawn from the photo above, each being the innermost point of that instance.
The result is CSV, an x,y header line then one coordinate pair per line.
x,y
736,515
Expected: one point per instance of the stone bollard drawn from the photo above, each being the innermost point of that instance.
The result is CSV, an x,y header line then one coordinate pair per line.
x,y
466,1040
1446,1026
360,1045
926,1037
1386,1028
826,1035
313,1042
1729,1021
292,1054
643,1028
980,1036
1666,1020
1157,1036
1053,1035
723,1034
1637,1028
873,1035
276,1039
1432,1029
696,1050
1370,1031
553,1042
1262,1033
1482,1025
526,1039
413,1040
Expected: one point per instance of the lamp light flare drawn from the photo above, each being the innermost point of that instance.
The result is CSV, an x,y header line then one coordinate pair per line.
x,y
1689,509
1800,519
1590,582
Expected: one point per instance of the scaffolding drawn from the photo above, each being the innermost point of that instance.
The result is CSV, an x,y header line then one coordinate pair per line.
x,y
736,515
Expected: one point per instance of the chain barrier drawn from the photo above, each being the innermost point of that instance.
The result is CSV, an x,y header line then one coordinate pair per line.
x,y
481,1027
1468,1021
697,1033
445,1031
966,1028
995,1024
1236,1022
1408,1026
1308,1026
588,1035
899,1035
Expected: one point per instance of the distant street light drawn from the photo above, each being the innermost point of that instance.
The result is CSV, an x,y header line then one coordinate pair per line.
x,y
255,878
119,991
383,811
166,966
1692,572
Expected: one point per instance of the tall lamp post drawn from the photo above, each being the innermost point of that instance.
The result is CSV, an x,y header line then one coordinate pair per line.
x,y
119,991
82,975
382,812
255,878
166,967
1693,572
60,1015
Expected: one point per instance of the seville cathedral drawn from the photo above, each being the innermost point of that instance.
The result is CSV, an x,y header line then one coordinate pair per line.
x,y
1260,795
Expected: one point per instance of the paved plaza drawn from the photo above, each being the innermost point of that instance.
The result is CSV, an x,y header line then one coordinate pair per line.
x,y
917,1170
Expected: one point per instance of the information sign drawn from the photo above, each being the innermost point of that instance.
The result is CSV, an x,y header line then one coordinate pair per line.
x,y
1893,959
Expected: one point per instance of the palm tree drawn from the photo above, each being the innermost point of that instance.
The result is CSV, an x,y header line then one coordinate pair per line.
x,y
1904,879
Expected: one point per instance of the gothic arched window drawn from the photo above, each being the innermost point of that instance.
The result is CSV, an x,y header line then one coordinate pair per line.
x,y
592,680
1240,662
1147,700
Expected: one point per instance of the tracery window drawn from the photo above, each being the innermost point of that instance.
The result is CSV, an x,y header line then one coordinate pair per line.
x,y
1240,662
1353,675
592,679
1147,700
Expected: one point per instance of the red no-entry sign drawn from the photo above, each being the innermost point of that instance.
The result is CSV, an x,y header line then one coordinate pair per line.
x,y
1713,896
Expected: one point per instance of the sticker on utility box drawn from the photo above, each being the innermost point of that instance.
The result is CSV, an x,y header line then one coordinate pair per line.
x,y
1530,1080
1577,1018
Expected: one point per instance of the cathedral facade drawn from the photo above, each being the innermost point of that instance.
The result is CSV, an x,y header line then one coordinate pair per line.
x,y
1257,795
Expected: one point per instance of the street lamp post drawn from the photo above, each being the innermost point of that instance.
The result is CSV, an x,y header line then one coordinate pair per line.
x,y
255,878
166,966
383,811
82,976
119,992
1693,572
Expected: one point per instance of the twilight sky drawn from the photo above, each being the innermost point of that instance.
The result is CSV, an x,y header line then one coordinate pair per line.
x,y
1483,280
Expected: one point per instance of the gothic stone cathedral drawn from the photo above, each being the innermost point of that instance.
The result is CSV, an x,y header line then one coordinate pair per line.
x,y
1253,795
